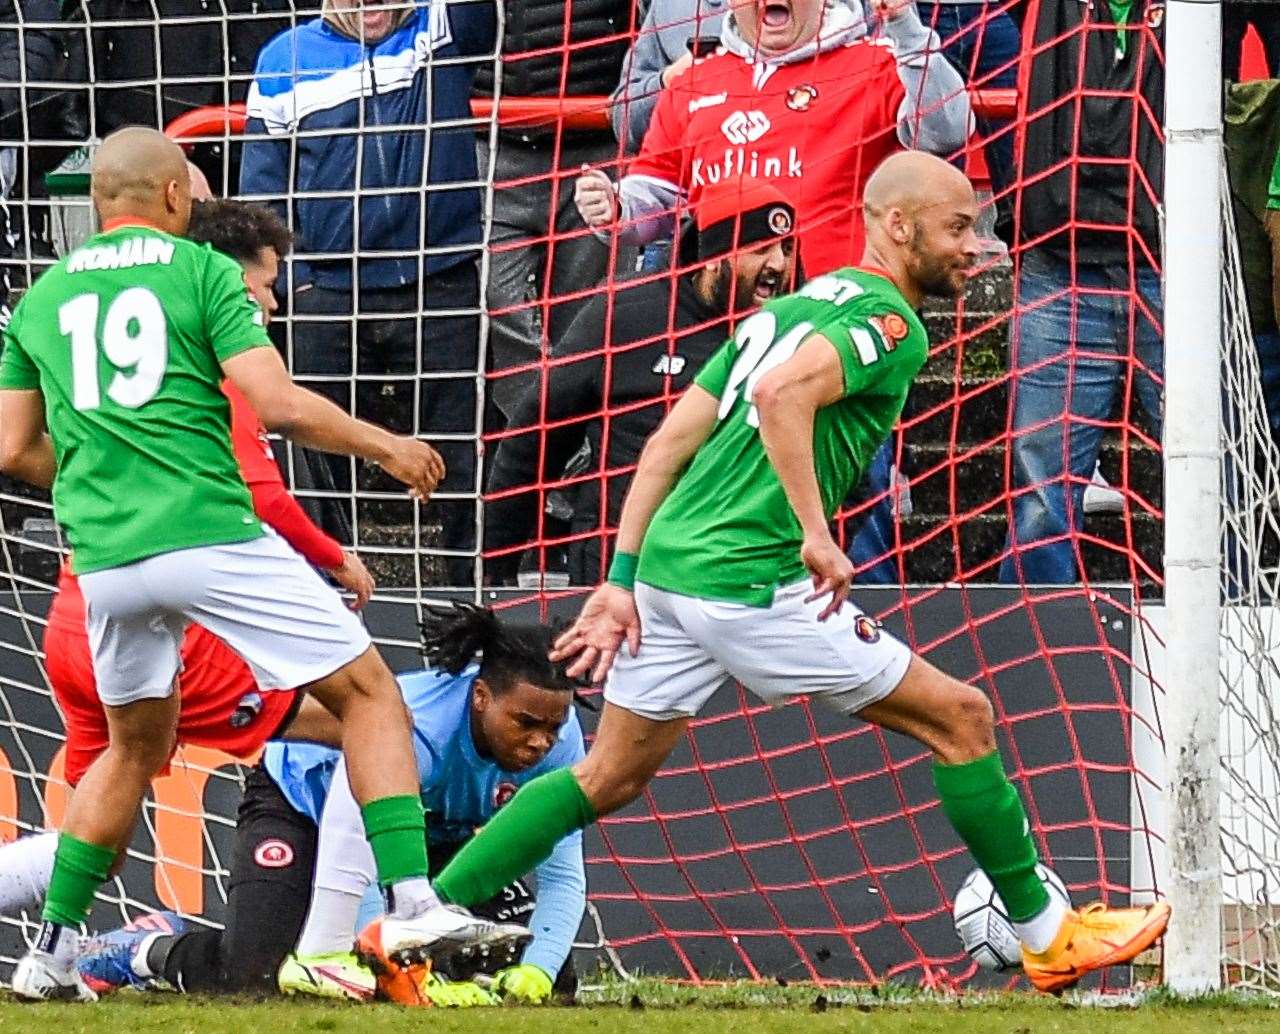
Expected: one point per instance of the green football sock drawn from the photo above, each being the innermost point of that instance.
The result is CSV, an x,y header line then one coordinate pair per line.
x,y
396,830
79,869
517,838
987,812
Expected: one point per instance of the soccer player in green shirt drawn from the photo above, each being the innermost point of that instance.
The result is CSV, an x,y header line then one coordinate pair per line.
x,y
119,350
725,566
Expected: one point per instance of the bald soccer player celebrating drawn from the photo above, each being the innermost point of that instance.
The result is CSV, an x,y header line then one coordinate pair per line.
x,y
725,566
119,351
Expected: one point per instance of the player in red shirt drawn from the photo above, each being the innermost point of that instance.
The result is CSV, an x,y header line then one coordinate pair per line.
x,y
221,705
797,94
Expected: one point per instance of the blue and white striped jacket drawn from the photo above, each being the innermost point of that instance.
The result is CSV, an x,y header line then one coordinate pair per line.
x,y
324,105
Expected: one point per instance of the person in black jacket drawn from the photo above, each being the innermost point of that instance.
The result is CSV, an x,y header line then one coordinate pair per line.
x,y
39,125
539,250
621,365
1087,295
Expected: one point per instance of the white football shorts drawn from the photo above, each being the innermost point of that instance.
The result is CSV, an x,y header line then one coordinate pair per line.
x,y
259,596
689,645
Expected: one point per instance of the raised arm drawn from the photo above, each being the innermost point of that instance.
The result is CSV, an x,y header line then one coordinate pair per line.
x,y
644,74
562,897
935,115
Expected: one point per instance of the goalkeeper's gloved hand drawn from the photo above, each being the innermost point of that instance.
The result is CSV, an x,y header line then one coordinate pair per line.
x,y
524,983
454,994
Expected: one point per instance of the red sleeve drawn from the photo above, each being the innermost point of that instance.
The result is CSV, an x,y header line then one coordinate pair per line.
x,y
271,500
662,150
249,442
281,511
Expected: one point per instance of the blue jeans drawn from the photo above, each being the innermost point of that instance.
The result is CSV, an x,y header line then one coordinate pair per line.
x,y
875,538
978,39
1068,356
1269,367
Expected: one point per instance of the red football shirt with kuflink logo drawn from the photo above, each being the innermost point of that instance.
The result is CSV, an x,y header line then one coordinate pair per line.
x,y
816,129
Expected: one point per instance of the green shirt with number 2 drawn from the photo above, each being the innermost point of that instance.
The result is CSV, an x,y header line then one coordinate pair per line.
x,y
727,532
124,337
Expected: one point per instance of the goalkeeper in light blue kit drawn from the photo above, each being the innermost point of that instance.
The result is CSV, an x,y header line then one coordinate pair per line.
x,y
490,714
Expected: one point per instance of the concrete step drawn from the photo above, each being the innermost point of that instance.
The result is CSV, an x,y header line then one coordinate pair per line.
x,y
941,550
975,475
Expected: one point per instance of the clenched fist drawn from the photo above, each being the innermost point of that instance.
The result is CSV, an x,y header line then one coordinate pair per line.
x,y
594,196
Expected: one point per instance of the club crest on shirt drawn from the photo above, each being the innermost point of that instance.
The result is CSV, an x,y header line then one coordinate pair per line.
x,y
800,98
866,628
502,793
273,853
1155,16
892,329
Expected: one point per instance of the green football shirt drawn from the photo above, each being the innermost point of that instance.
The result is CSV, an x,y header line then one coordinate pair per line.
x,y
727,531
124,337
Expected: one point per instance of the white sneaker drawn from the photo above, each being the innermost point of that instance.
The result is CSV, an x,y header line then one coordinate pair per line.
x,y
1100,497
440,931
40,977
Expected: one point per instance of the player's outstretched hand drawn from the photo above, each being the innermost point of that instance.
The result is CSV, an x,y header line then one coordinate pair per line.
x,y
608,618
593,194
416,464
355,578
832,573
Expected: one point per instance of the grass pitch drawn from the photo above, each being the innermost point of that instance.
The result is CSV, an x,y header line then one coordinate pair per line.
x,y
656,1007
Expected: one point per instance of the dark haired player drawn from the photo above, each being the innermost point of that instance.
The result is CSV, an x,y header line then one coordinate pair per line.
x,y
482,729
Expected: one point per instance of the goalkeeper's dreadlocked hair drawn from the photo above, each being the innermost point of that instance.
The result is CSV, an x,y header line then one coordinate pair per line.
x,y
508,652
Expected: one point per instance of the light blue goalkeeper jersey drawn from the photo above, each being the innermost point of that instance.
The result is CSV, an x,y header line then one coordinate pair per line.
x,y
461,791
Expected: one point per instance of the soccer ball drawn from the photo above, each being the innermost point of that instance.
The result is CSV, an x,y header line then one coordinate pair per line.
x,y
982,922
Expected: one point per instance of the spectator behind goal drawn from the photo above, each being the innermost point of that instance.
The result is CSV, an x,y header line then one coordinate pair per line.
x,y
799,97
981,39
1087,290
632,354
663,49
318,124
539,254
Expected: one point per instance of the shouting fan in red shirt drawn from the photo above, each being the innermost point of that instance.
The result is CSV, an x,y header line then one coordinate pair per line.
x,y
797,94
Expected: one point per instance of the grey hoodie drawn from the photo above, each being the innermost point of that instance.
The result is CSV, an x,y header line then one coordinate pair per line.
x,y
662,39
934,115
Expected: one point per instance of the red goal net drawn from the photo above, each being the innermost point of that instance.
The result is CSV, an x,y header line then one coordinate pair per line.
x,y
1010,531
